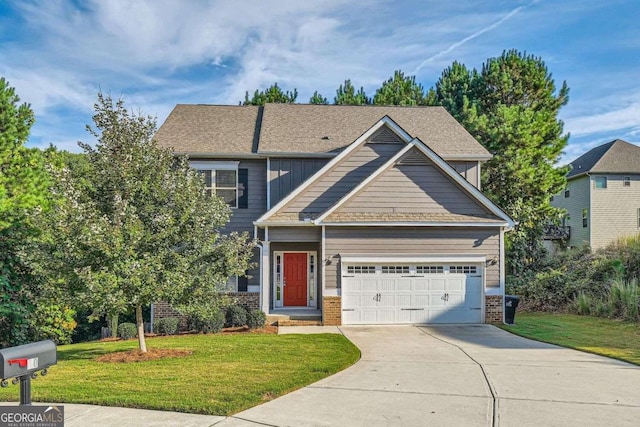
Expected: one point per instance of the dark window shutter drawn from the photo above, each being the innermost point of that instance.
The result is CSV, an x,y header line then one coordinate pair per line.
x,y
243,188
243,284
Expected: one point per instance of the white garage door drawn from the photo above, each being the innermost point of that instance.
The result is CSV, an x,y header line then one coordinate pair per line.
x,y
404,294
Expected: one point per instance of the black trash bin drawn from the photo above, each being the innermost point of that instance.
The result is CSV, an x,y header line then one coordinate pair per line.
x,y
510,305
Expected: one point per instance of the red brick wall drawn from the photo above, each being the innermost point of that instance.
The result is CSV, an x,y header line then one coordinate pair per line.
x,y
250,300
493,309
331,311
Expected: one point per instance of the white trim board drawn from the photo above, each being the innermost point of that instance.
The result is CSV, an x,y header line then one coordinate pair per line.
x,y
413,258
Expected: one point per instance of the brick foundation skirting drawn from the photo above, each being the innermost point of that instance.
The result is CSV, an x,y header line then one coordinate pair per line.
x,y
494,308
249,300
332,311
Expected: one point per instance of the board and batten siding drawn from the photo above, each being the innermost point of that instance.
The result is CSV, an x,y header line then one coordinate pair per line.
x,y
411,240
285,175
242,219
342,178
413,189
614,209
468,170
574,204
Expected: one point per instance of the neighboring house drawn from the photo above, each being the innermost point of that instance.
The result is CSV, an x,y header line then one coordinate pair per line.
x,y
602,197
365,214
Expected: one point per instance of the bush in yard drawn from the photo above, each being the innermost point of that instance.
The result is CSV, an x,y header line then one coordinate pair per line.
x,y
166,325
236,316
127,331
256,319
211,323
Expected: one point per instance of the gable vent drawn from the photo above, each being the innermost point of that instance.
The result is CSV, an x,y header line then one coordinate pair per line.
x,y
414,158
384,135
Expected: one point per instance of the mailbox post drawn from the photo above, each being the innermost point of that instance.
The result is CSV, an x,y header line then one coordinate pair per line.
x,y
22,363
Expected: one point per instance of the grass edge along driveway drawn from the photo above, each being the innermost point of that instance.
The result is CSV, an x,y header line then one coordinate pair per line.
x,y
224,375
606,337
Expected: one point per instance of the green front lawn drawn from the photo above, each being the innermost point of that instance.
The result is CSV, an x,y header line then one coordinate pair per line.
x,y
606,337
224,375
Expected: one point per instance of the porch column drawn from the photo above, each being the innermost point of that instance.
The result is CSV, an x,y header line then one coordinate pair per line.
x,y
265,266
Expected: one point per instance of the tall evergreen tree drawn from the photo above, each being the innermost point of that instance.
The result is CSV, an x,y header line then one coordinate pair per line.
x,y
511,106
400,90
346,95
271,94
318,99
23,188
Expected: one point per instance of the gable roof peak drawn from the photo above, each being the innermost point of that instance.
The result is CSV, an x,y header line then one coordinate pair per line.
x,y
617,156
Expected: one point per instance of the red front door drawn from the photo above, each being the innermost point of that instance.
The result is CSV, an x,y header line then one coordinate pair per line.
x,y
295,279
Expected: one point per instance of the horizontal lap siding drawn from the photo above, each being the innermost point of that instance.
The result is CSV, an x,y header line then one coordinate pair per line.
x,y
294,234
342,178
614,209
411,189
579,198
411,240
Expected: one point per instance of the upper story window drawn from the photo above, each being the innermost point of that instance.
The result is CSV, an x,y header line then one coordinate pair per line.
x,y
566,193
225,180
626,181
601,182
585,217
223,183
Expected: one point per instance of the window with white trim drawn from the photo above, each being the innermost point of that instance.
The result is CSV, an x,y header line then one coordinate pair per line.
x,y
395,269
626,181
465,269
601,182
429,269
223,183
361,269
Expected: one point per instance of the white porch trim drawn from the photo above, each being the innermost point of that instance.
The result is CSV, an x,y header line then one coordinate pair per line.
x,y
278,277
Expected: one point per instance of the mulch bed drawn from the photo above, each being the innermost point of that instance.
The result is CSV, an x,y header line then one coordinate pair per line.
x,y
138,356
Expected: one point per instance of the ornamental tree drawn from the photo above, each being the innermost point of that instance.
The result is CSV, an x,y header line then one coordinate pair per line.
x,y
140,227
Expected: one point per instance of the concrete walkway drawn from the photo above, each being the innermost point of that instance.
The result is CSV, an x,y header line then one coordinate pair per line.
x,y
475,375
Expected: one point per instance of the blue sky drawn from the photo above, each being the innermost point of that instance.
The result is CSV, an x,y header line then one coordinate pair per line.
x,y
158,53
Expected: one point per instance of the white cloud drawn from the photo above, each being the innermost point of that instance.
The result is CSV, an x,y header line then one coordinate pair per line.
x,y
617,120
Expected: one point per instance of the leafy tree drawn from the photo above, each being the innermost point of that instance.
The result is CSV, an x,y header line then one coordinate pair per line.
x,y
23,188
272,94
511,106
142,230
346,95
400,90
318,99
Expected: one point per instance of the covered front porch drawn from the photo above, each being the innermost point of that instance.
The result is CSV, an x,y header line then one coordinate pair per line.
x,y
291,274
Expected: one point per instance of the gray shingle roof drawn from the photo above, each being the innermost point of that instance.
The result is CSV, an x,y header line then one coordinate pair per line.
x,y
219,129
305,129
617,156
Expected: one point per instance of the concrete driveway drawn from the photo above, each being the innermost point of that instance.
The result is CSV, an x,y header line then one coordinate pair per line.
x,y
475,375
